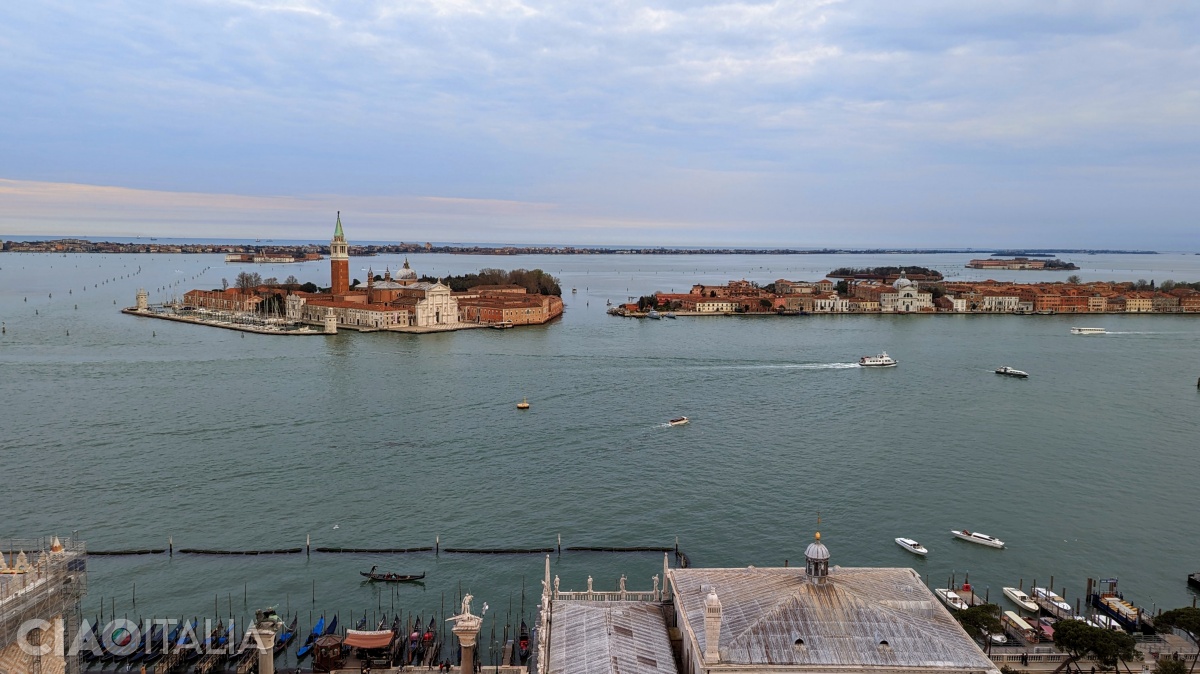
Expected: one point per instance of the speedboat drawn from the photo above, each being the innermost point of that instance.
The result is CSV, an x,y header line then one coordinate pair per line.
x,y
912,546
1017,596
882,360
951,599
976,537
677,421
1053,599
1011,372
1089,331
653,314
670,314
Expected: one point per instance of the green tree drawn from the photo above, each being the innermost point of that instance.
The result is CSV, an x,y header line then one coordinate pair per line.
x,y
1074,279
980,621
309,287
1169,666
1079,639
842,287
292,280
647,302
1186,620
1167,286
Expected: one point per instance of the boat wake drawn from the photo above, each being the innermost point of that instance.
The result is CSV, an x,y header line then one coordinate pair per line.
x,y
789,366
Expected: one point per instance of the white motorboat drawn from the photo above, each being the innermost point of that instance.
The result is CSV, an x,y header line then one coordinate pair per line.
x,y
1017,596
1089,331
951,599
1011,372
670,314
677,421
1052,598
882,360
912,546
976,537
653,314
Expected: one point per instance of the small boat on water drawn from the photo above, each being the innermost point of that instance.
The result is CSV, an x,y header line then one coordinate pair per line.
x,y
653,314
882,360
1089,331
1059,604
286,636
306,648
670,314
523,405
523,643
976,537
1017,596
390,577
951,599
912,546
677,421
1011,372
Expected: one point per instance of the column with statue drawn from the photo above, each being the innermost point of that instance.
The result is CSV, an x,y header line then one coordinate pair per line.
x,y
466,628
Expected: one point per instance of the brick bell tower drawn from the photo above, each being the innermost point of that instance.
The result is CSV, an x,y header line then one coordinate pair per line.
x,y
339,261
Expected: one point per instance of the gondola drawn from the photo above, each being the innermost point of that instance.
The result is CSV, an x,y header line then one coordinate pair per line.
x,y
391,577
317,631
523,643
286,636
414,642
428,640
332,628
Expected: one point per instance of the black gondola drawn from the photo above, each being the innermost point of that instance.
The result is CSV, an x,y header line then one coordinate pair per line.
x,y
523,643
286,637
391,577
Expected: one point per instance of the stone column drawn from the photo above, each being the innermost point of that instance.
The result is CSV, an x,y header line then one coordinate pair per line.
x,y
265,640
466,628
330,322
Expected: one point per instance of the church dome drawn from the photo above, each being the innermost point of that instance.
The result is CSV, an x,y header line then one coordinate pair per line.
x,y
405,273
902,282
816,550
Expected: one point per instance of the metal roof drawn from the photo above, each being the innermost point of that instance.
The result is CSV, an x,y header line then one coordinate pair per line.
x,y
859,617
609,638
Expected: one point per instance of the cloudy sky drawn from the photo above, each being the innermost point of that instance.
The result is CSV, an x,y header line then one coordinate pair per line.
x,y
1035,123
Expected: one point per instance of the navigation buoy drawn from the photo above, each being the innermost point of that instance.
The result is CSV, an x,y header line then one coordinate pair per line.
x,y
523,405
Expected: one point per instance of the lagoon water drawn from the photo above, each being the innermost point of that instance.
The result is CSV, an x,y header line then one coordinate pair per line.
x,y
132,430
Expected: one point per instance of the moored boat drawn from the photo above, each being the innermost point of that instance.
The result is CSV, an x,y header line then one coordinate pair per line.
x,y
653,314
670,314
951,599
1052,603
882,360
976,537
1017,596
286,636
523,643
1011,372
677,421
306,648
912,546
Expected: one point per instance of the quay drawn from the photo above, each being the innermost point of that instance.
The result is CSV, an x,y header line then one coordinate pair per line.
x,y
218,323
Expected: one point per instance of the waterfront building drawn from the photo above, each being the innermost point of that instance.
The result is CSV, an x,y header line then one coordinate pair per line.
x,y
507,304
905,297
40,580
230,299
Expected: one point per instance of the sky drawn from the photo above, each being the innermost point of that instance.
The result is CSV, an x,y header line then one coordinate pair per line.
x,y
802,123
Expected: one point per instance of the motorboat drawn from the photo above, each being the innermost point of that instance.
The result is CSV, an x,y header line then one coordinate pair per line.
x,y
653,314
523,405
1089,331
1053,599
882,360
1017,596
976,537
670,314
677,421
951,599
1011,372
912,546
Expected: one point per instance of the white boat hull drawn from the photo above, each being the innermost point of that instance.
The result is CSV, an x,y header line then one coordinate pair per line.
x,y
1025,604
951,599
916,549
989,541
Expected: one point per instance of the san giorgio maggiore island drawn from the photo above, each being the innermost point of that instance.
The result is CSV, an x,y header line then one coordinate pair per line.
x,y
397,302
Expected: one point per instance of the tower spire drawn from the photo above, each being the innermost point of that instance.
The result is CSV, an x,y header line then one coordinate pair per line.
x,y
337,230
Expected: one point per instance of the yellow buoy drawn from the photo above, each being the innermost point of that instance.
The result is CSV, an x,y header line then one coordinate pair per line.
x,y
523,405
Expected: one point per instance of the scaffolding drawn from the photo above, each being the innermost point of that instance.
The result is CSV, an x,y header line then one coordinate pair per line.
x,y
41,579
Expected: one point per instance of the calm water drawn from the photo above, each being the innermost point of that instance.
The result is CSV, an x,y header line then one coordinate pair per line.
x,y
132,430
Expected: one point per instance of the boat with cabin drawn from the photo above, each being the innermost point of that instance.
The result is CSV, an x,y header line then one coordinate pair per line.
x,y
912,546
976,537
951,599
882,360
1017,596
1052,603
1011,372
677,421
653,313
669,314
1089,331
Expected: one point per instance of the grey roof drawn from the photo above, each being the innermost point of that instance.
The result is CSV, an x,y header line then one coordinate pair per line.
x,y
816,550
841,622
609,638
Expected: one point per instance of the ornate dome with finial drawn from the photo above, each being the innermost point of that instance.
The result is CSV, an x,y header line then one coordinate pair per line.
x,y
405,273
902,282
816,550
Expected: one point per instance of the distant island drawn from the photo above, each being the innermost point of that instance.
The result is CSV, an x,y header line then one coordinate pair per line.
x,y
887,274
1022,263
314,251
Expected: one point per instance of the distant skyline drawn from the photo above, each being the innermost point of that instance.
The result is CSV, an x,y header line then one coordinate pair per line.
x,y
801,124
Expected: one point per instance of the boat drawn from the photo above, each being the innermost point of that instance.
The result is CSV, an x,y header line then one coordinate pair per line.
x,y
951,599
523,643
1053,603
976,537
653,314
1194,580
501,325
332,627
574,290
912,546
523,405
391,577
306,648
1108,601
1089,331
677,421
670,314
882,360
1011,372
1017,596
286,636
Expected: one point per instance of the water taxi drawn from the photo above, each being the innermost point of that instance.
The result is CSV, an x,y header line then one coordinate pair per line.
x,y
677,421
951,599
1060,605
1089,331
912,546
882,360
1011,372
976,537
1017,596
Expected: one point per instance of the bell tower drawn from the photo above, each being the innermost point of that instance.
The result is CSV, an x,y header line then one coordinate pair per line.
x,y
339,261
